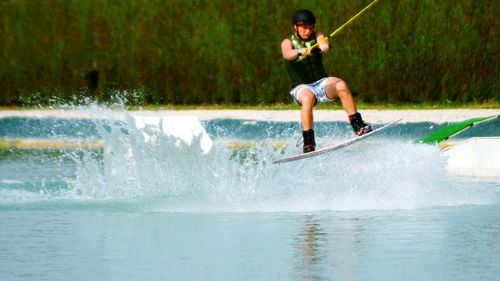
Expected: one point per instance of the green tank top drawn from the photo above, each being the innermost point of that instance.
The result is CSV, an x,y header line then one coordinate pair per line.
x,y
305,69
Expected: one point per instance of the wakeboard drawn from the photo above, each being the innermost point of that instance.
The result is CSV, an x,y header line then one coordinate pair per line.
x,y
335,146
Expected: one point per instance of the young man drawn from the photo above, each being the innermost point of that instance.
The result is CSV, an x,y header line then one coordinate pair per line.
x,y
311,83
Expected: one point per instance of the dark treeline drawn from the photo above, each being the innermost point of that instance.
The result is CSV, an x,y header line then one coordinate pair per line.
x,y
219,51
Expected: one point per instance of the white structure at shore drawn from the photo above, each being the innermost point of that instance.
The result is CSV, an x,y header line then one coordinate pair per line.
x,y
475,157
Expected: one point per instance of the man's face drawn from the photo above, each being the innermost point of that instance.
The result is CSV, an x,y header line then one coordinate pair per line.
x,y
304,30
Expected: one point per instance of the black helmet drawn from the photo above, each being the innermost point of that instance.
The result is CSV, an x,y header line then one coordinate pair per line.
x,y
303,17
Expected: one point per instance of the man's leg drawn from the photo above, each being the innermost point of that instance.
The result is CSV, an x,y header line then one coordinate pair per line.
x,y
338,88
307,100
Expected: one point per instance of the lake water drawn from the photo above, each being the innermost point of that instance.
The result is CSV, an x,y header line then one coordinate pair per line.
x,y
382,209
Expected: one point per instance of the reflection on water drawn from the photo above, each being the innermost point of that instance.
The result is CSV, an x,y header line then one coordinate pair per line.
x,y
311,242
430,244
327,256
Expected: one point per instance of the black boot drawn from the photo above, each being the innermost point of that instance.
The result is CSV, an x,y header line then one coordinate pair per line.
x,y
309,142
359,127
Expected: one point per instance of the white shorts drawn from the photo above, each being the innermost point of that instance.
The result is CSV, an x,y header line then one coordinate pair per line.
x,y
318,88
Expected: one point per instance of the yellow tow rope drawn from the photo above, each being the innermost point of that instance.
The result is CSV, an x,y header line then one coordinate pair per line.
x,y
342,26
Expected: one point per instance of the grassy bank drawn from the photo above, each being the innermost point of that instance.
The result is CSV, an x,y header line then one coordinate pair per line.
x,y
222,52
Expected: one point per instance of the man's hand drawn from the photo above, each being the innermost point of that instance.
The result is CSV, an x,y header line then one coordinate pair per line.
x,y
309,52
316,50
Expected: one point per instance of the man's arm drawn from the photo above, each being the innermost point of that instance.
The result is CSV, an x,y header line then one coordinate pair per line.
x,y
288,52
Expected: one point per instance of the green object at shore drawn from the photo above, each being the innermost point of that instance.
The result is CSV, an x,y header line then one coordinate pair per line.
x,y
454,129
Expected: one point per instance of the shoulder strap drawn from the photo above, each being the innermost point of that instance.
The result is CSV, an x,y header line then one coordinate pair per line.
x,y
297,43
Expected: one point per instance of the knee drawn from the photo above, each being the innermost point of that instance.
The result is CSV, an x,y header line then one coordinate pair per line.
x,y
307,99
341,86
342,89
337,88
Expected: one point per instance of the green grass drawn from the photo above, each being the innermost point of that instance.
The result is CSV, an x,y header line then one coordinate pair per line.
x,y
193,52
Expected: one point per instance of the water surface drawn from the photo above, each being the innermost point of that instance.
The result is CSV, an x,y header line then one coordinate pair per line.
x,y
383,209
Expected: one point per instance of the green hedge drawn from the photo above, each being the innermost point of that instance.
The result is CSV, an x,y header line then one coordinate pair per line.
x,y
219,51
